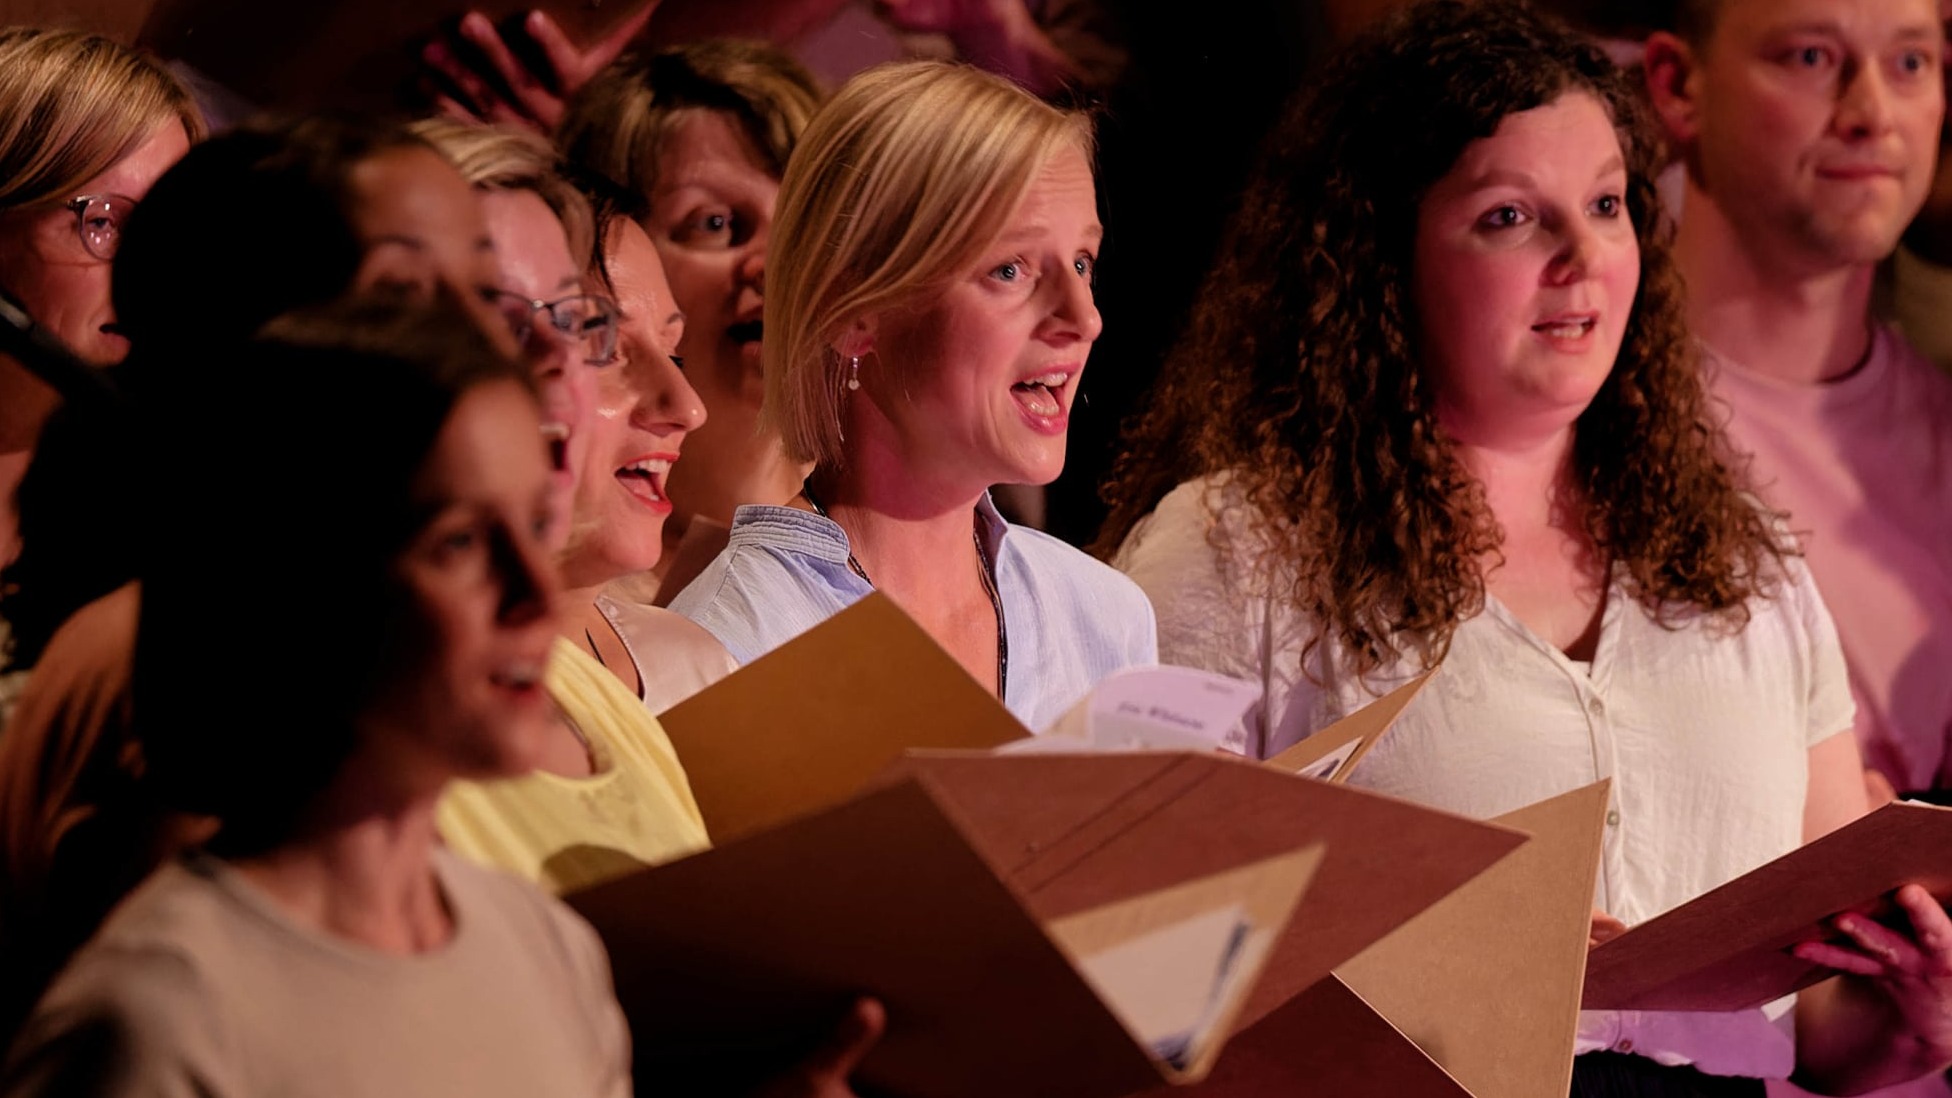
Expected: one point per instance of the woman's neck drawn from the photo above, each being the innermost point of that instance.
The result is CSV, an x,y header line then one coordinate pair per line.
x,y
1546,570
1524,479
915,545
369,881
921,550
719,472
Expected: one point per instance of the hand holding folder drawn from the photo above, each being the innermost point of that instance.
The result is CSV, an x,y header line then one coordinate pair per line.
x,y
1730,949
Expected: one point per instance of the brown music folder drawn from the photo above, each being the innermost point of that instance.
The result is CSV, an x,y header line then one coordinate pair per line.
x,y
806,725
1325,1041
1332,754
1516,933
1729,948
724,958
1070,832
1407,1015
346,53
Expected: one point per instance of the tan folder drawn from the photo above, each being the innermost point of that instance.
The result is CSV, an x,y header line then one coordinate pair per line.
x,y
1070,832
1410,1015
1515,936
1729,948
1519,931
723,959
308,54
1332,753
806,725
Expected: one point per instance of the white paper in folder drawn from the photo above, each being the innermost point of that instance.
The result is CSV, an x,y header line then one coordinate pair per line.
x,y
1150,709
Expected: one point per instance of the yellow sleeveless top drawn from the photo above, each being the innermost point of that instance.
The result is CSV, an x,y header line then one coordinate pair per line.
x,y
570,833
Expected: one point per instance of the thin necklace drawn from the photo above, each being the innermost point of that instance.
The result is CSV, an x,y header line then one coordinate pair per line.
x,y
985,571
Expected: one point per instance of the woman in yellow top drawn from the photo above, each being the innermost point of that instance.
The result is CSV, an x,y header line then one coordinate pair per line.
x,y
610,795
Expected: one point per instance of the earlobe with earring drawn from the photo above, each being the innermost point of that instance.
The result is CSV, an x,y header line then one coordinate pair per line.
x,y
853,373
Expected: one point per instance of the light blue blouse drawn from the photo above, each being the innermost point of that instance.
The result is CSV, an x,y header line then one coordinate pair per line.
x,y
1070,620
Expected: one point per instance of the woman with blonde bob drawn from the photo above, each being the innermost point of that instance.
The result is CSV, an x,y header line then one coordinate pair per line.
x,y
928,314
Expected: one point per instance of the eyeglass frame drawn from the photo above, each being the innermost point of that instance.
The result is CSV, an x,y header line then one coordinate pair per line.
x,y
523,329
78,206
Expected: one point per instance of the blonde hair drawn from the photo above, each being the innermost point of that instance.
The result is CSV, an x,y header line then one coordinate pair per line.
x,y
72,105
900,183
619,122
494,159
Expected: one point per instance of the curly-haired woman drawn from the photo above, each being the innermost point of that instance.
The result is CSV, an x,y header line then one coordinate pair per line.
x,y
1438,404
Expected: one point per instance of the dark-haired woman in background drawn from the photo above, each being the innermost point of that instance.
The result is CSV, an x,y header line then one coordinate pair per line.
x,y
1438,405
701,134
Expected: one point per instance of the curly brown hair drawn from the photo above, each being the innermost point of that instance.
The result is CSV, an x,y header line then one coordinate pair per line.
x,y
1298,376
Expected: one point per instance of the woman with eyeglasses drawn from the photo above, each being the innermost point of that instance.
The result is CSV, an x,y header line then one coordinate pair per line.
x,y
355,204
608,795
85,127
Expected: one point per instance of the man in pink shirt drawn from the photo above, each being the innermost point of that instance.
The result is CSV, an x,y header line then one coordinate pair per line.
x,y
1809,131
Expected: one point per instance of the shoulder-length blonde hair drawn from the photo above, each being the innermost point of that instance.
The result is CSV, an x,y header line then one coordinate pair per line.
x,y
72,105
899,184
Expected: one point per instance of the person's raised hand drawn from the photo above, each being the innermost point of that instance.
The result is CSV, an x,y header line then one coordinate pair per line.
x,y
1912,971
476,75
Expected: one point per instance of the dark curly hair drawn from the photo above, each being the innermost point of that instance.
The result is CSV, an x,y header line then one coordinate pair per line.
x,y
1299,374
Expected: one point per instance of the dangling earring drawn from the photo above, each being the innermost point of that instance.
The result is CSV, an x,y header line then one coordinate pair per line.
x,y
853,373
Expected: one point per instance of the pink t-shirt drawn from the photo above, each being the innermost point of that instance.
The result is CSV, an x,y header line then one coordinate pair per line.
x,y
1863,465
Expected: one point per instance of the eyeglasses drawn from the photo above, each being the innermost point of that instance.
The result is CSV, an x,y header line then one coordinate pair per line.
x,y
98,221
588,321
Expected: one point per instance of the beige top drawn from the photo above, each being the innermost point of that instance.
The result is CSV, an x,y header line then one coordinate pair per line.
x,y
201,987
675,656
